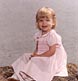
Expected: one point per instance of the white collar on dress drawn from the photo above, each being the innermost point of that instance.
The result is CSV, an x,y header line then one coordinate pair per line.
x,y
40,33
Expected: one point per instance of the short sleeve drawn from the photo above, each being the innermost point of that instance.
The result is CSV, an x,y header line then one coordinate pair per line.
x,y
54,39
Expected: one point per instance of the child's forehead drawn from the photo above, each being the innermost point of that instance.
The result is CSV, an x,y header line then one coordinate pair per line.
x,y
48,16
44,17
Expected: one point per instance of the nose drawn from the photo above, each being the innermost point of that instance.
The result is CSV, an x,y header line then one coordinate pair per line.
x,y
44,22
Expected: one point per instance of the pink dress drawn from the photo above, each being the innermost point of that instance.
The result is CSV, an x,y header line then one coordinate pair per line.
x,y
43,68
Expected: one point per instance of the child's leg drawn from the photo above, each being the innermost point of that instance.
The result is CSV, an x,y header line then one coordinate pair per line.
x,y
13,78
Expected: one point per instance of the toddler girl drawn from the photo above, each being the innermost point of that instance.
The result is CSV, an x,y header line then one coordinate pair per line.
x,y
49,58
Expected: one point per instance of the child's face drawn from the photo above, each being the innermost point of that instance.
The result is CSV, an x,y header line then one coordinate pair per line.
x,y
45,24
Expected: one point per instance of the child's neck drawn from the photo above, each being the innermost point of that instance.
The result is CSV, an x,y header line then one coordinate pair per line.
x,y
45,32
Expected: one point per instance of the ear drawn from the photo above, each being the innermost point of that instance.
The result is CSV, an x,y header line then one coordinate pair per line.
x,y
54,22
53,25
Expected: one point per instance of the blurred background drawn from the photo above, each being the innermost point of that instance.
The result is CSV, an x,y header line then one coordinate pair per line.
x,y
17,27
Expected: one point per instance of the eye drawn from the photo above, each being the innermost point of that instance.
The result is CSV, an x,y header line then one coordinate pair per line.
x,y
40,20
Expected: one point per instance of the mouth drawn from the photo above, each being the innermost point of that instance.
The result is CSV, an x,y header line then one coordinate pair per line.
x,y
44,26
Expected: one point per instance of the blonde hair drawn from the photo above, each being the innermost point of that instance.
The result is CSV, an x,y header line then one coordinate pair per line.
x,y
46,12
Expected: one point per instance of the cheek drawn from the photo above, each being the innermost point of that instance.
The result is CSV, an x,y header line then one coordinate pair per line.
x,y
50,24
40,24
37,24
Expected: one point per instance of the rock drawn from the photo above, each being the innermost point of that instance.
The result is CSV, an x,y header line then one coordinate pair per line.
x,y
2,78
8,71
72,73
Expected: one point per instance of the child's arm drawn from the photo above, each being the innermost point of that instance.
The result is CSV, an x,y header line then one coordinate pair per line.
x,y
48,53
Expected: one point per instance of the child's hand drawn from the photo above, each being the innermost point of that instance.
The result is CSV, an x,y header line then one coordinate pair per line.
x,y
33,55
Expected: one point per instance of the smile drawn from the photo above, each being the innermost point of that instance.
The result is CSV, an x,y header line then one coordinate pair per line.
x,y
44,26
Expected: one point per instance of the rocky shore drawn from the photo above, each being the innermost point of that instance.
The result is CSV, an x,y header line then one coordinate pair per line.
x,y
7,71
